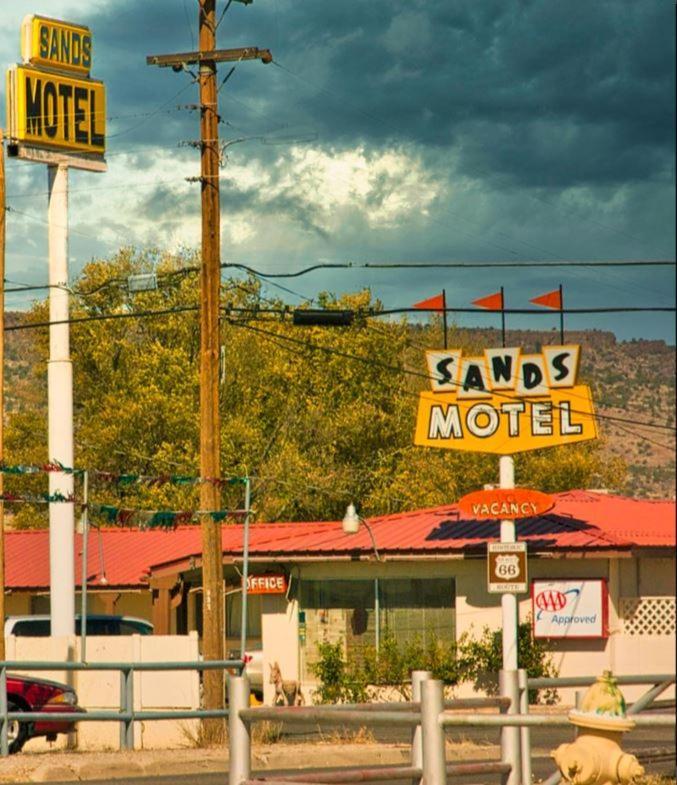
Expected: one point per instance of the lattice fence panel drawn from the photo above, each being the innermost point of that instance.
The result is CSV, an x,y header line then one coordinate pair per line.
x,y
648,615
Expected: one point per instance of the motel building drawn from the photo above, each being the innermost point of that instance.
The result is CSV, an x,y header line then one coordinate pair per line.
x,y
601,584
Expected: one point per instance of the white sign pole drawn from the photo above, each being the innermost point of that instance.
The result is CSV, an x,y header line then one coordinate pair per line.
x,y
60,399
510,737
506,474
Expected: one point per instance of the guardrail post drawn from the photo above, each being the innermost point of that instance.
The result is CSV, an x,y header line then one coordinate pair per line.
x,y
525,731
417,678
4,723
510,736
127,706
239,737
432,732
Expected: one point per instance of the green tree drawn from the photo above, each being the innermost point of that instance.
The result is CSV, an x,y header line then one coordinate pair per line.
x,y
315,426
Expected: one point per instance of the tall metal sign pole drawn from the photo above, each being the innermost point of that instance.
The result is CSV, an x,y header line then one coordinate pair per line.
x,y
506,475
60,404
213,633
57,116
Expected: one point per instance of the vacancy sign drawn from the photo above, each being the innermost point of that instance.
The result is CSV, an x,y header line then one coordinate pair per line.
x,y
51,101
569,608
504,401
507,567
505,504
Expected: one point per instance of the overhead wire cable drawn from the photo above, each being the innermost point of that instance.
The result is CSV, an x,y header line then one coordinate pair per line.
x,y
420,374
449,265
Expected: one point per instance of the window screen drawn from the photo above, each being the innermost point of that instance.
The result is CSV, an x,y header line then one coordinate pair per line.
x,y
345,611
420,608
338,611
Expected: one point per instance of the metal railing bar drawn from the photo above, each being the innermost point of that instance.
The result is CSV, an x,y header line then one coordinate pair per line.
x,y
352,775
654,754
313,715
524,720
409,706
116,716
202,665
281,781
584,681
381,773
648,698
485,767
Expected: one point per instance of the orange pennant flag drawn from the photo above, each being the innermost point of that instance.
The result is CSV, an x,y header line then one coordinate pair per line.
x,y
492,302
549,300
435,303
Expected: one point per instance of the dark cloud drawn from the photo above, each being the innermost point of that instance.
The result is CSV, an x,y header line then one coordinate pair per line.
x,y
550,125
556,93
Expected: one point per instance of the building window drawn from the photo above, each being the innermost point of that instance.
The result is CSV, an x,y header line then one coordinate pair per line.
x,y
418,608
357,613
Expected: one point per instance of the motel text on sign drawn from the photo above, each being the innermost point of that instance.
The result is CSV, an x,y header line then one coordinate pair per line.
x,y
504,401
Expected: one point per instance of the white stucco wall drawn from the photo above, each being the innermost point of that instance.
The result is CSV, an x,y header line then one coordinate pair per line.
x,y
100,690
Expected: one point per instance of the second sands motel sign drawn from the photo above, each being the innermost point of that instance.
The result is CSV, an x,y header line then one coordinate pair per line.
x,y
56,115
502,402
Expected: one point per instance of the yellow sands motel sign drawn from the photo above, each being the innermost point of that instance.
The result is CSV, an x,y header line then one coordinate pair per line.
x,y
504,401
51,101
61,46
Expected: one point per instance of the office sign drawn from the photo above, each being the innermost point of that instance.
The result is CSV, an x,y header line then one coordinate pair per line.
x,y
61,46
507,567
504,401
505,504
267,584
50,110
570,608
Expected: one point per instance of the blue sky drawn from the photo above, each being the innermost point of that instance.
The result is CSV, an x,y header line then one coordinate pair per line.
x,y
442,130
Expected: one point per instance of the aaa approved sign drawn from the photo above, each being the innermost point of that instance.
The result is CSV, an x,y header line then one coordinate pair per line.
x,y
507,567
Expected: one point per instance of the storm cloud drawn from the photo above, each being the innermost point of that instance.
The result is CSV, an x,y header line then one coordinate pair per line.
x,y
444,129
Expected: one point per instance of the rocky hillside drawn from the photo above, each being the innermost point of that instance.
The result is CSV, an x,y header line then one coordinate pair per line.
x,y
633,381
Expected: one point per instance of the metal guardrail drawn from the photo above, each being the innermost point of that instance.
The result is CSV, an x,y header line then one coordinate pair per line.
x,y
126,715
429,716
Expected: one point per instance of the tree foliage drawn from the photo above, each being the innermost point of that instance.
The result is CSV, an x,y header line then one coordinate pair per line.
x,y
316,427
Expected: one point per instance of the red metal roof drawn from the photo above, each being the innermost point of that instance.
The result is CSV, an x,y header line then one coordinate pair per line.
x,y
579,521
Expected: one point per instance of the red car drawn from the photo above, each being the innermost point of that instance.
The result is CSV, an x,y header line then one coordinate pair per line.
x,y
28,694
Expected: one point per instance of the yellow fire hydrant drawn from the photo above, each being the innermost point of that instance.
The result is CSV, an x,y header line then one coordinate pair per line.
x,y
596,757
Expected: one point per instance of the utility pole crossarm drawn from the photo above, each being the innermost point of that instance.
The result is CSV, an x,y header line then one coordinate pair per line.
x,y
214,56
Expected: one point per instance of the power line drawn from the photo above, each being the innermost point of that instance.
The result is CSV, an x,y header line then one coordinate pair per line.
x,y
420,374
303,343
449,265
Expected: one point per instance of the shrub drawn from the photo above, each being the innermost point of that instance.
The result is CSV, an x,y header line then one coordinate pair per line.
x,y
476,660
344,681
339,682
479,661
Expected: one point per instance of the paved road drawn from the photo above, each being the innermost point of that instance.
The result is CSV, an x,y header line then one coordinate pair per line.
x,y
541,765
543,739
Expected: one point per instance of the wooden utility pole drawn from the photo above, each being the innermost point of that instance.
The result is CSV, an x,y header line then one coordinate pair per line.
x,y
213,633
3,213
